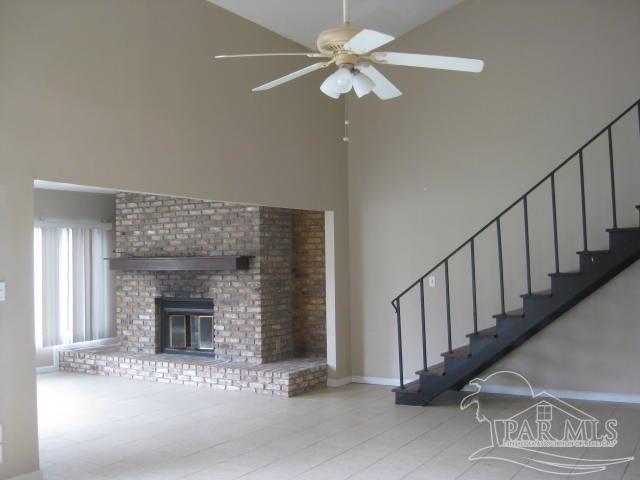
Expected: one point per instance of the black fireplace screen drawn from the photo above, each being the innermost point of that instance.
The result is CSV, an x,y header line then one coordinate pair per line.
x,y
187,326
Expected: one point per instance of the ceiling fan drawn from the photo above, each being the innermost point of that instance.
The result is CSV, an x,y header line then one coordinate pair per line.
x,y
351,49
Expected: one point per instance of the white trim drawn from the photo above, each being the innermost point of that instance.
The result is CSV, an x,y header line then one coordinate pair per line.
x,y
330,290
48,369
338,382
518,391
566,394
105,342
61,223
70,187
37,475
392,382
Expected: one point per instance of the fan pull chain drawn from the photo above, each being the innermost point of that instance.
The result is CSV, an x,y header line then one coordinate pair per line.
x,y
346,121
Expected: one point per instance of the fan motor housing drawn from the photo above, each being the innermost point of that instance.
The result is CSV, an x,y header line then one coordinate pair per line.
x,y
331,42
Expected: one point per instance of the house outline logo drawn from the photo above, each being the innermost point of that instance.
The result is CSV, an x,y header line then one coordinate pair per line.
x,y
556,425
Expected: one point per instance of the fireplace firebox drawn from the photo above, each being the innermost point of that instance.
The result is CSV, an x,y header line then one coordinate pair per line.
x,y
187,326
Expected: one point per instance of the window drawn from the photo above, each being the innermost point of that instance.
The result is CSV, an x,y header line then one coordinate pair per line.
x,y
544,413
71,284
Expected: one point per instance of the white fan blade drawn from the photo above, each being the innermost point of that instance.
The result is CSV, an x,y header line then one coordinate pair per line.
x,y
291,76
367,40
310,55
428,61
384,89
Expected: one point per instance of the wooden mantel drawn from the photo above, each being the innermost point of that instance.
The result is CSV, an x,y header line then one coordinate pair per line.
x,y
179,264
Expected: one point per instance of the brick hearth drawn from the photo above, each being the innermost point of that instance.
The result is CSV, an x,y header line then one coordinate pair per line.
x,y
286,378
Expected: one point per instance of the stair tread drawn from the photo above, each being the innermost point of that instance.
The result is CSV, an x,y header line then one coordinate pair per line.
x,y
436,370
518,313
487,332
464,351
566,274
413,387
543,293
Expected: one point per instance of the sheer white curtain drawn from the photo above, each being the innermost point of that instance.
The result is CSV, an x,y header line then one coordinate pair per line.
x,y
71,284
81,284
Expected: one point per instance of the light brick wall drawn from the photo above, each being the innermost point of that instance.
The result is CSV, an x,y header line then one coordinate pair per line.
x,y
309,296
276,287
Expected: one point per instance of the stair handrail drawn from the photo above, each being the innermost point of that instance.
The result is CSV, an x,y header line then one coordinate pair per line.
x,y
496,220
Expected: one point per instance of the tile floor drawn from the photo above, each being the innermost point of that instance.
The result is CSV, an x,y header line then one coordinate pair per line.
x,y
113,428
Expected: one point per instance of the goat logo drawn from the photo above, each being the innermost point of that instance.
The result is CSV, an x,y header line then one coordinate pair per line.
x,y
526,437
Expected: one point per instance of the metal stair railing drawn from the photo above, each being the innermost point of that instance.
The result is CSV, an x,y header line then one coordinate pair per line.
x,y
470,242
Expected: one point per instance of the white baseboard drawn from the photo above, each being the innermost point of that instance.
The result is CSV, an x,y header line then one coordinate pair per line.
x,y
37,475
48,369
105,342
517,391
565,394
55,351
338,382
392,382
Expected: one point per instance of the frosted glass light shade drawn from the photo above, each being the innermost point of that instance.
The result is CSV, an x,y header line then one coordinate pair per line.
x,y
343,79
362,84
328,87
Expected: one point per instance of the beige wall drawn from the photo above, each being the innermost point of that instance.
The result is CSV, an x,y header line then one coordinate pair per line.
x,y
428,169
125,95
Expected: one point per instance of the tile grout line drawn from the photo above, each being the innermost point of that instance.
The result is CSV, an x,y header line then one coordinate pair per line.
x,y
361,443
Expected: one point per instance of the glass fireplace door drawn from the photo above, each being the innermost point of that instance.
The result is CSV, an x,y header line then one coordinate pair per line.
x,y
191,332
201,332
177,331
187,326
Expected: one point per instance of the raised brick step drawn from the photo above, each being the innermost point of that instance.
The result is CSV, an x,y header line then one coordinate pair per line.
x,y
286,378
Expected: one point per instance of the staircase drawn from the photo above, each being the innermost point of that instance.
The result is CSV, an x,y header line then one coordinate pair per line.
x,y
512,328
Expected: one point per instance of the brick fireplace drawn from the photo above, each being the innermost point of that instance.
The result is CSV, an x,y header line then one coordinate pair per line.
x,y
252,308
262,314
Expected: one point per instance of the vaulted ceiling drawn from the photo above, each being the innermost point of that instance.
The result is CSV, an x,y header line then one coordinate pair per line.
x,y
302,20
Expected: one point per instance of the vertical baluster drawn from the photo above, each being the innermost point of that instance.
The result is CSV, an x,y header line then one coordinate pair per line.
x,y
638,132
584,208
424,326
446,277
526,243
473,285
397,307
500,266
613,179
555,221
